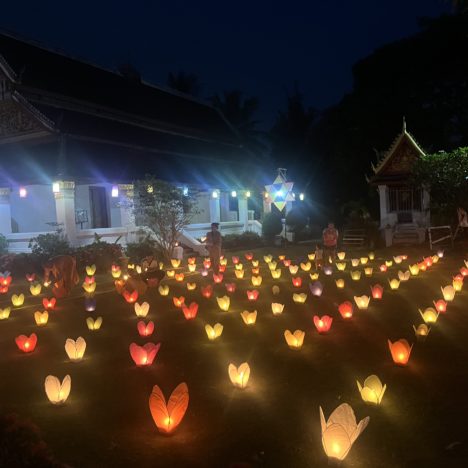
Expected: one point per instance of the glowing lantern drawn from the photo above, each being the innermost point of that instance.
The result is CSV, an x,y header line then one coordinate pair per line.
x,y
306,266
275,290
311,256
340,431
239,274
223,302
448,292
316,288
90,304
141,310
341,266
49,304
277,308
192,267
191,260
323,324
217,278
421,331
441,306
377,291
252,295
428,261
130,297
206,264
170,273
457,284
239,375
191,286
340,283
346,309
249,256
398,259
268,259
362,302
145,329
287,263
414,269
223,261
91,270
328,270
207,291
371,255
27,344
422,266
368,271
294,340
383,268
230,287
30,277
90,280
281,257
57,392
17,300
41,318
400,351
256,280
235,260
355,275
175,262
394,283
163,289
299,298
435,259
46,284
144,355
404,276
363,260
5,280
314,276
89,287
179,277
214,331
167,416
341,255
272,265
275,274
130,266
116,273
255,263
222,268
372,391
191,311
35,289
249,318
5,313
388,263
355,262
75,349
3,289
178,301
430,315
293,269
297,281
119,285
238,266
92,324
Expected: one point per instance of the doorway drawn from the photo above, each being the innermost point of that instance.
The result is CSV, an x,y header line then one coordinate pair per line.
x,y
99,211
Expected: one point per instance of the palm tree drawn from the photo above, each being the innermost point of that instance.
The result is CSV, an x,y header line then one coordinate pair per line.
x,y
187,83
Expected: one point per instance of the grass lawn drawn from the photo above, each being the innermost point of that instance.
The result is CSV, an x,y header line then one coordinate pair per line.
x,y
275,421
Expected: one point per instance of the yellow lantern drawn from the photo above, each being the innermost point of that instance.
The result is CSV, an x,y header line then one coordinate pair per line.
x,y
275,290
430,315
256,280
404,276
238,266
223,261
17,300
311,256
192,267
448,292
224,302
239,375
138,269
276,274
398,259
175,262
277,308
94,325
130,266
163,289
214,331
89,287
341,255
170,273
457,284
362,302
249,318
314,276
41,318
355,275
394,283
388,263
141,310
90,270
293,269
57,392
268,258
272,265
341,266
116,273
355,262
294,340
340,283
299,298
5,313
255,263
306,266
340,431
75,349
364,260
239,273
414,269
191,286
371,255
35,289
372,391
421,331
435,258
368,271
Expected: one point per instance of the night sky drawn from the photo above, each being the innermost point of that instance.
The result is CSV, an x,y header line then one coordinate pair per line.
x,y
259,47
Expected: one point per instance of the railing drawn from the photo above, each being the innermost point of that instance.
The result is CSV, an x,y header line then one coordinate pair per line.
x,y
19,242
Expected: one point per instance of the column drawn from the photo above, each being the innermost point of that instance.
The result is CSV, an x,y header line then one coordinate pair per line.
x,y
266,204
383,190
127,216
64,192
215,209
243,202
5,211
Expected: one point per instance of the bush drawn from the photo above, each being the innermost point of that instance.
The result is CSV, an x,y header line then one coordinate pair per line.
x,y
20,264
296,221
49,245
101,253
146,247
272,226
3,245
246,240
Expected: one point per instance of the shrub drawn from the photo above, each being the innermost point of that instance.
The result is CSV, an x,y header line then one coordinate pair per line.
x,y
49,245
246,240
296,221
101,253
20,264
136,251
272,226
3,245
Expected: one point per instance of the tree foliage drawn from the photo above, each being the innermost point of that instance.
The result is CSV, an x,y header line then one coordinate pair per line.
x,y
187,83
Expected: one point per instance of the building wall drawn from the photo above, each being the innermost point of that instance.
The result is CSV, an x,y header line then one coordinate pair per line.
x,y
203,208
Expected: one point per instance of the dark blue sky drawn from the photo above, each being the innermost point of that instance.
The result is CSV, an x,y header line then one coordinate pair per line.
x,y
259,47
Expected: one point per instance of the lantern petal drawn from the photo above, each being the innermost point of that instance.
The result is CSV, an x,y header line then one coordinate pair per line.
x,y
336,441
178,403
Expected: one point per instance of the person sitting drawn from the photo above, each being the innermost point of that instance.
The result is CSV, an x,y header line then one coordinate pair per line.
x,y
330,240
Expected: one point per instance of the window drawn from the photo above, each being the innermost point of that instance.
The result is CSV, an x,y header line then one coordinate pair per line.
x,y
404,199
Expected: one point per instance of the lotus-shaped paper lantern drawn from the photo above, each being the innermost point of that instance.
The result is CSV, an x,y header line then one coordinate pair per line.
x,y
218,278
346,310
364,260
293,269
388,263
223,261
207,291
167,416
275,274
249,318
311,256
328,270
30,277
441,306
464,271
287,263
179,277
448,292
414,269
341,255
394,283
249,256
116,273
206,264
163,289
130,297
371,255
255,263
191,260
316,288
323,324
175,262
94,325
41,318
340,283
27,344
57,392
191,286
428,261
299,298
5,313
35,289
238,266
340,431
223,302
91,270
383,268
272,266
277,308
89,287
144,355
145,329
214,331
252,295
404,276
192,267
75,349
294,340
49,304
314,276
297,281
239,274
141,310
435,259
17,300
170,273
275,290
306,266
235,260
5,279
341,266
362,302
89,280
268,258
457,284
230,287
422,266
119,285
256,280
421,331
178,301
239,375
430,315
400,351
377,291
191,311
355,262
398,259
355,275
372,391
368,271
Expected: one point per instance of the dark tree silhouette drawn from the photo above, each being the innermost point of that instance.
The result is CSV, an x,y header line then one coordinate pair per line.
x,y
187,83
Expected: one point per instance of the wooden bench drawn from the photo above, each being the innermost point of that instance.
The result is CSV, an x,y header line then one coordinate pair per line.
x,y
354,237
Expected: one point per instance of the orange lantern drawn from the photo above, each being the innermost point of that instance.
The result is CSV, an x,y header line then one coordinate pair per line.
x,y
441,306
400,351
323,324
49,304
191,311
249,256
27,344
252,295
239,375
249,318
217,278
145,329
297,281
144,355
346,310
255,271
178,301
119,285
191,260
130,297
207,291
206,263
179,277
294,340
377,291
235,260
222,268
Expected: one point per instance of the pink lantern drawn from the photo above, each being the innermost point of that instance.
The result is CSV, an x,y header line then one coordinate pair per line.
x,y
235,260
383,268
191,260
464,271
30,277
191,311
249,256
441,306
144,355
252,295
89,280
145,329
323,324
27,344
377,291
217,278
230,287
286,263
221,268
206,264
207,291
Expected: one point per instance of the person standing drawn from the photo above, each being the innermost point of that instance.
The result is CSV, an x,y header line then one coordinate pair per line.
x,y
213,244
330,240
